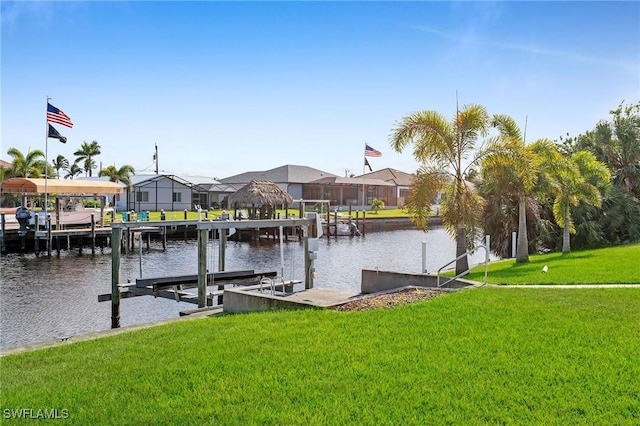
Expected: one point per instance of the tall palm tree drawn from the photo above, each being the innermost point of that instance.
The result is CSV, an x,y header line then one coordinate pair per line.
x,y
575,178
86,153
30,165
446,152
512,168
123,174
60,162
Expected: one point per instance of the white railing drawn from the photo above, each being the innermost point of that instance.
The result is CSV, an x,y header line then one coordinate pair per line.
x,y
486,265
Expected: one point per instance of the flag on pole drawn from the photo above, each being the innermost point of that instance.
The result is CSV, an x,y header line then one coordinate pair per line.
x,y
53,133
370,152
366,163
54,115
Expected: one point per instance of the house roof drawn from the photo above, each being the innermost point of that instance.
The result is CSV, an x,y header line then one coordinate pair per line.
x,y
5,164
397,177
142,180
288,173
338,180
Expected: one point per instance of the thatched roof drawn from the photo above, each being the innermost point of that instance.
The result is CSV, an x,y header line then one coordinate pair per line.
x,y
260,193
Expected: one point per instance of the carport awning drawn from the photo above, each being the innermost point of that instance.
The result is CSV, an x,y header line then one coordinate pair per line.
x,y
60,186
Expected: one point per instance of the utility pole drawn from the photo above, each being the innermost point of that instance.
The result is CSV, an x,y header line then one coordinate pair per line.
x,y
155,158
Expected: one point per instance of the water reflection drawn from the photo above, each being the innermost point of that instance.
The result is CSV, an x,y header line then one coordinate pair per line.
x,y
47,298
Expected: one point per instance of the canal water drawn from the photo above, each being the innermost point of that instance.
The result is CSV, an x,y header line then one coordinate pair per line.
x,y
44,298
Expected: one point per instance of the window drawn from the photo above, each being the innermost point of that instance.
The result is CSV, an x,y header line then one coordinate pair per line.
x,y
142,196
177,197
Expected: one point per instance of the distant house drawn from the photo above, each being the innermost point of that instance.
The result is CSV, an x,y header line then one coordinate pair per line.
x,y
401,180
209,193
348,191
173,193
290,178
307,183
159,192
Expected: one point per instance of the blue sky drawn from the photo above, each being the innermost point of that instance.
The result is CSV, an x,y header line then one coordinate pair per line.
x,y
227,87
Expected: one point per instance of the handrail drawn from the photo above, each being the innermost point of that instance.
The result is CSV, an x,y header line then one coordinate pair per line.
x,y
486,266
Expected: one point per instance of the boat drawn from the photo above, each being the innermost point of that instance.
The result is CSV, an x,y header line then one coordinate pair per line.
x,y
342,225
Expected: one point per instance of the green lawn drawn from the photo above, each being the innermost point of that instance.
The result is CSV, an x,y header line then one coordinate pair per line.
x,y
613,265
484,356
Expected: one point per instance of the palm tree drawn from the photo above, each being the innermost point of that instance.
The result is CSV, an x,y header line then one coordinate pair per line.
x,y
73,171
442,148
575,178
86,153
512,168
30,165
123,174
60,163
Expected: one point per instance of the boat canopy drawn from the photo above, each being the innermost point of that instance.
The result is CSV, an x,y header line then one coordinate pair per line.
x,y
60,186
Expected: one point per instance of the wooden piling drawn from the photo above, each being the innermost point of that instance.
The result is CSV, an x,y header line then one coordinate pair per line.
x,y
185,226
93,234
116,239
363,221
203,235
222,256
49,239
3,248
308,273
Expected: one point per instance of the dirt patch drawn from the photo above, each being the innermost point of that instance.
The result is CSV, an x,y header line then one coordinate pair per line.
x,y
389,300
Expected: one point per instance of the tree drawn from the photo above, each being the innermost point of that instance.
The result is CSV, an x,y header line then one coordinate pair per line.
x,y
60,163
376,205
575,178
123,174
511,169
30,165
73,171
442,148
86,153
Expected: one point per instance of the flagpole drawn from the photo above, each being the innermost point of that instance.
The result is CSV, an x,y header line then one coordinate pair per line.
x,y
365,158
46,159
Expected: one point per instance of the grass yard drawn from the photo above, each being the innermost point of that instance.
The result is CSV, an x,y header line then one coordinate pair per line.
x,y
612,265
484,356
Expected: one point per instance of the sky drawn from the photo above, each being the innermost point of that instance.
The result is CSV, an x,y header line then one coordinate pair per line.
x,y
228,87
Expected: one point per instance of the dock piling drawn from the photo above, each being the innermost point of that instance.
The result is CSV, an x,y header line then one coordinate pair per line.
x,y
116,237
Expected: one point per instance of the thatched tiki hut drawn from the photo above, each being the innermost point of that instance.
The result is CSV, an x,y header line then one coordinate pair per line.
x,y
261,198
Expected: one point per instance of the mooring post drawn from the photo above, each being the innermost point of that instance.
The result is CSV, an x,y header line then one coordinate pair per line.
x,y
221,260
363,221
424,258
93,233
335,223
203,236
49,235
185,226
3,249
116,237
357,219
328,224
308,270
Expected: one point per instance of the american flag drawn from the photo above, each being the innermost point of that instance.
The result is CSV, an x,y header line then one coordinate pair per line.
x,y
370,152
54,115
